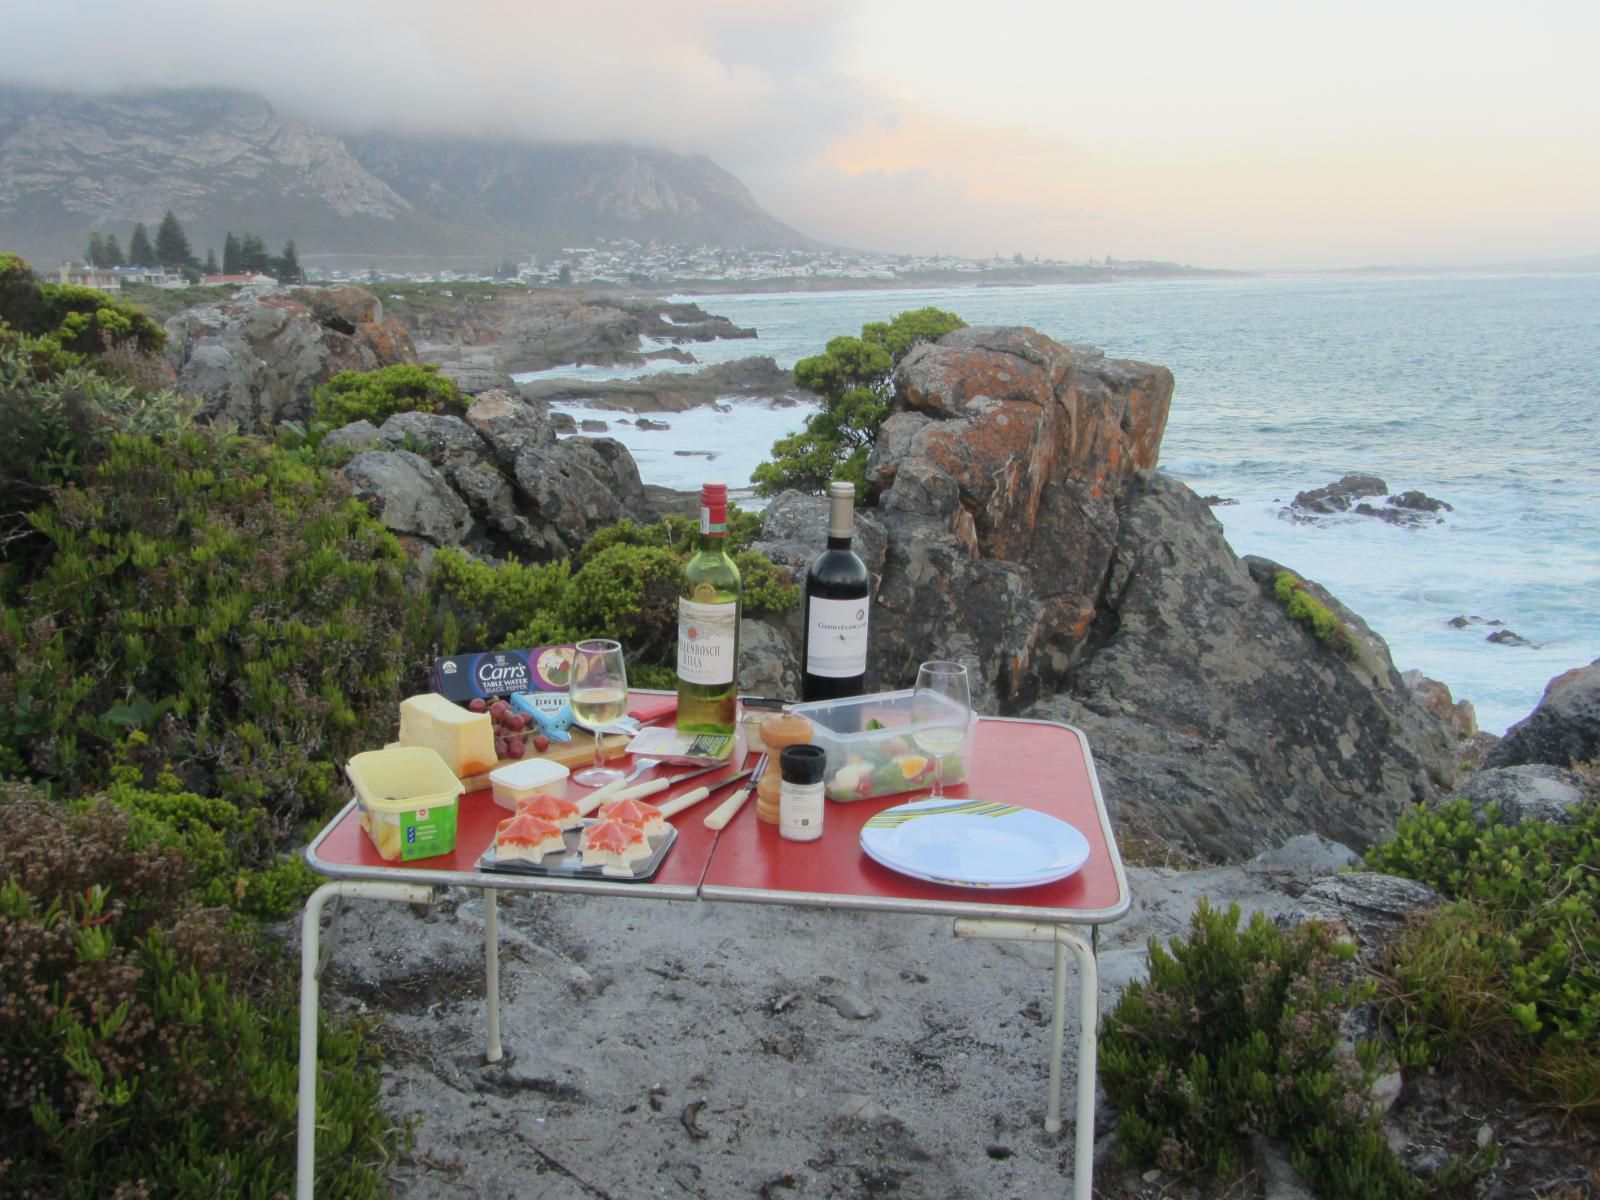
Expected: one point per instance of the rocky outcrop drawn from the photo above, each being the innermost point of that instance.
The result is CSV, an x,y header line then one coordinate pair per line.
x,y
525,330
674,391
256,359
1025,531
496,481
1410,508
997,484
1219,723
1562,730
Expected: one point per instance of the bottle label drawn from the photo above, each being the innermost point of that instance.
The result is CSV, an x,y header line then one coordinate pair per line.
x,y
836,642
707,635
714,520
800,811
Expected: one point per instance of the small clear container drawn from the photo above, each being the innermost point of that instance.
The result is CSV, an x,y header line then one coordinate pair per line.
x,y
872,748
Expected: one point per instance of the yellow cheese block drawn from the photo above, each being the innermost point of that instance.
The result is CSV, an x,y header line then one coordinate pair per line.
x,y
465,740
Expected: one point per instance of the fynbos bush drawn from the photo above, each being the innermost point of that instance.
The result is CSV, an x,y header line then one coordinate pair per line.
x,y
1509,973
1236,1033
145,1046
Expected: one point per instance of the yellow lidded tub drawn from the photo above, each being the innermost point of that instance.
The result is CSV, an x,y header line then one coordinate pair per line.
x,y
407,796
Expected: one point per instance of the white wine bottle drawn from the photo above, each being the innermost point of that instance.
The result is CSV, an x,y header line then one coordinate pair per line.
x,y
838,597
710,601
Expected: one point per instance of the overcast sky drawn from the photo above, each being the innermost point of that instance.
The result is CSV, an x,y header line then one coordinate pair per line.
x,y
1274,134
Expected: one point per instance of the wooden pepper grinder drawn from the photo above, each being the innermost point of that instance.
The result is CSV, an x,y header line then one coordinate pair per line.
x,y
778,731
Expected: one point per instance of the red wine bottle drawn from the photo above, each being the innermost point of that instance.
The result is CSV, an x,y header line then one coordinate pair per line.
x,y
838,597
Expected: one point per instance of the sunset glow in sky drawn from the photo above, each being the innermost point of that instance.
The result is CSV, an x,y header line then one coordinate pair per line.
x,y
1234,133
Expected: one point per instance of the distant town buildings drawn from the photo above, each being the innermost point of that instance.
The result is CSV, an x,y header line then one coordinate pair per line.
x,y
625,262
112,279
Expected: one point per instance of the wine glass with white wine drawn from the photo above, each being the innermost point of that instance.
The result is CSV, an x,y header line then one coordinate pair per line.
x,y
598,695
941,712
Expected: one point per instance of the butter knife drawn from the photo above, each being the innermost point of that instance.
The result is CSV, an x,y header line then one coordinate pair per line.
x,y
729,808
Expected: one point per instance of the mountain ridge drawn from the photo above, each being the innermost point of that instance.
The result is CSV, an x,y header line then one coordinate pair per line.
x,y
224,159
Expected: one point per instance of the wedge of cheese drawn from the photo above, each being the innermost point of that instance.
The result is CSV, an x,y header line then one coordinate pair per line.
x,y
465,740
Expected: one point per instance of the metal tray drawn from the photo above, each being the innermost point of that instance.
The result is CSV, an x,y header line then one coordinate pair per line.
x,y
569,864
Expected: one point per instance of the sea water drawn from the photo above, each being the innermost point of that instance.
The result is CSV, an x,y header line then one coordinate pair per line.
x,y
1480,390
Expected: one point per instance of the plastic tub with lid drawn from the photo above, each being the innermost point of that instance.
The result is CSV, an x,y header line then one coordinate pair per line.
x,y
407,797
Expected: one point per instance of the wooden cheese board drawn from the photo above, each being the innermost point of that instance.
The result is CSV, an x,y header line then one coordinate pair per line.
x,y
574,755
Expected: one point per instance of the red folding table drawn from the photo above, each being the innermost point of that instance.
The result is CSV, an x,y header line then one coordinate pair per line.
x,y
1034,764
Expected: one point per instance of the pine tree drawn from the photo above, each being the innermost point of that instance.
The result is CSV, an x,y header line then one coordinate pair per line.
x,y
288,265
113,251
97,249
253,256
230,255
211,261
172,246
140,252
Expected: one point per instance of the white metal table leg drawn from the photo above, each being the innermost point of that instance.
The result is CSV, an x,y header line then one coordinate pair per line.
x,y
310,977
491,970
1062,939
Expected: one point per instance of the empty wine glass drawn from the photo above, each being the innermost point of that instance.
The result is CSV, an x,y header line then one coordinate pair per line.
x,y
598,695
941,711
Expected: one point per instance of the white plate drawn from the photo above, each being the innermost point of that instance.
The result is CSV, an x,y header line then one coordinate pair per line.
x,y
974,843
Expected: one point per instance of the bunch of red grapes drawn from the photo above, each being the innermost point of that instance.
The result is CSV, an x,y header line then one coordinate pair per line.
x,y
510,728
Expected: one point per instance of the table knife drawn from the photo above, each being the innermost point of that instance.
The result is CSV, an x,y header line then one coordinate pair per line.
x,y
718,817
678,803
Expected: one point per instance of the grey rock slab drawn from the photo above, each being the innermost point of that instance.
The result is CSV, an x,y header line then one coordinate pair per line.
x,y
1531,792
409,496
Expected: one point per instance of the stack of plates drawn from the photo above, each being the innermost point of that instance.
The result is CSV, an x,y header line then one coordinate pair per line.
x,y
974,843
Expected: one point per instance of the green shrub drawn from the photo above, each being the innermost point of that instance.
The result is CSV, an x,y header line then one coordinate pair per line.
x,y
223,596
147,1047
625,586
1316,616
1237,1033
1509,971
377,395
70,319
855,379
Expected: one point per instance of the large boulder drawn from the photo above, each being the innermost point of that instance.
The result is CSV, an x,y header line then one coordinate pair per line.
x,y
580,485
409,496
1564,729
997,486
496,482
256,359
1027,534
1219,722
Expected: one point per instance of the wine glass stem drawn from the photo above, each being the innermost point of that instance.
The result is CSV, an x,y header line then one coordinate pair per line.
x,y
599,762
938,777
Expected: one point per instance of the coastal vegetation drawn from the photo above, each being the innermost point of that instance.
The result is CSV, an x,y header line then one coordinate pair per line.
x,y
854,378
1505,974
1316,616
624,580
377,395
1236,1034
